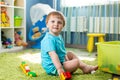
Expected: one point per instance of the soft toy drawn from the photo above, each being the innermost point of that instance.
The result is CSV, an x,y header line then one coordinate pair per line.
x,y
36,33
18,39
6,42
4,17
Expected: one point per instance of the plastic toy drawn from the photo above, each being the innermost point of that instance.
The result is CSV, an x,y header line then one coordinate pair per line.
x,y
18,39
65,76
26,70
17,21
106,60
4,17
115,78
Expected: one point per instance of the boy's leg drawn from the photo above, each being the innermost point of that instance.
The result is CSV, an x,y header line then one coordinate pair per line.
x,y
72,63
87,68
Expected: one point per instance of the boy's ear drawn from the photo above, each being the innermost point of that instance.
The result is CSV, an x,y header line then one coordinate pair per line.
x,y
47,25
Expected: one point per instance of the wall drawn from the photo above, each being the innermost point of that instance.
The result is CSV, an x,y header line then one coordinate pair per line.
x,y
29,4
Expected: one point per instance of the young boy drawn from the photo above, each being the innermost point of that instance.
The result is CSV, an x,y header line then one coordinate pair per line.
x,y
55,59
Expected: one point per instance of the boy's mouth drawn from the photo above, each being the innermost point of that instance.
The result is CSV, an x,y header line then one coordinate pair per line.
x,y
56,28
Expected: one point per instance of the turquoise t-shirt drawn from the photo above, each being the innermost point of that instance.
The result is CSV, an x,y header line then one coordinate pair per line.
x,y
52,43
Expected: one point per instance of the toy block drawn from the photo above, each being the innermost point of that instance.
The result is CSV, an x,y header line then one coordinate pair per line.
x,y
26,70
65,76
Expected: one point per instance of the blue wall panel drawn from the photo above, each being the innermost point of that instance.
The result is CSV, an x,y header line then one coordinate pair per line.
x,y
29,4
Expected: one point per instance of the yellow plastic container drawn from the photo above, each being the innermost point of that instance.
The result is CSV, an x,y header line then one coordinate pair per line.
x,y
17,21
109,56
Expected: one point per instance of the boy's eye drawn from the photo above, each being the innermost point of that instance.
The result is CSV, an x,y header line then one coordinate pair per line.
x,y
52,21
59,22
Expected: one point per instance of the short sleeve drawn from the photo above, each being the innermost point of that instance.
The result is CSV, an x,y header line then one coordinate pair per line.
x,y
48,45
51,45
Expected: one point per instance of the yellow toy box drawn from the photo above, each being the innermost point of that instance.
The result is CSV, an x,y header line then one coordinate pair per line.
x,y
109,56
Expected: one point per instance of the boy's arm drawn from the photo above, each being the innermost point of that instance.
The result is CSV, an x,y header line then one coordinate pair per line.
x,y
56,62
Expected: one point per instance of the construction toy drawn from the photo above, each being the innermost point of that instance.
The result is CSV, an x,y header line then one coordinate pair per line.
x,y
26,70
115,79
65,76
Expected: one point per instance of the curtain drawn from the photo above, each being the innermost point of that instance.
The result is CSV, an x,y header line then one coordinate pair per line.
x,y
95,18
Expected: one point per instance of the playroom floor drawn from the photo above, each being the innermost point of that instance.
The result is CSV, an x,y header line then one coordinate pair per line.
x,y
81,53
10,69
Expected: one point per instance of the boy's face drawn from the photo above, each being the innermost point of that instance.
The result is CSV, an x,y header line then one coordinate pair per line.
x,y
55,25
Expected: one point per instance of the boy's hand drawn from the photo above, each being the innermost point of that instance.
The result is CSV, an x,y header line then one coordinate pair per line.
x,y
60,71
65,76
56,61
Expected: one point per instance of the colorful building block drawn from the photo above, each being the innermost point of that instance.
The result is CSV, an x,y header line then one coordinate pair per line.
x,y
65,76
26,70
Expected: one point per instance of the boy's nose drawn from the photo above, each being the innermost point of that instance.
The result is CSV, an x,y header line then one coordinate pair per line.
x,y
56,23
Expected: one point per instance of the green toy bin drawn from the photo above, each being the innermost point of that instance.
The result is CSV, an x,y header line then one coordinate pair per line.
x,y
17,21
109,56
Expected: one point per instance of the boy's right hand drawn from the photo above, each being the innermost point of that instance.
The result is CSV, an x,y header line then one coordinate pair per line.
x,y
60,71
65,76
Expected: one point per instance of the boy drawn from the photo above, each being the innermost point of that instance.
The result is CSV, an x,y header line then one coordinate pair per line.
x,y
55,59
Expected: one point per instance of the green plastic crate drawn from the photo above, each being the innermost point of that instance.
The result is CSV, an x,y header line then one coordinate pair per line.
x,y
109,56
17,21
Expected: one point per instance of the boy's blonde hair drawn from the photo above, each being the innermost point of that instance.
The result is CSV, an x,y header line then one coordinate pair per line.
x,y
56,13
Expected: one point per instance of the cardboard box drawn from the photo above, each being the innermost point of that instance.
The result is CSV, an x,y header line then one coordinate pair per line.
x,y
109,56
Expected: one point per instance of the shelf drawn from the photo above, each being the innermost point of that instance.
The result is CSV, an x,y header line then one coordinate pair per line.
x,y
19,7
12,24
15,48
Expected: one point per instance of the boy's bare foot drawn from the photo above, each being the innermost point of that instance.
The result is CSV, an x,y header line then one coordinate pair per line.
x,y
88,68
